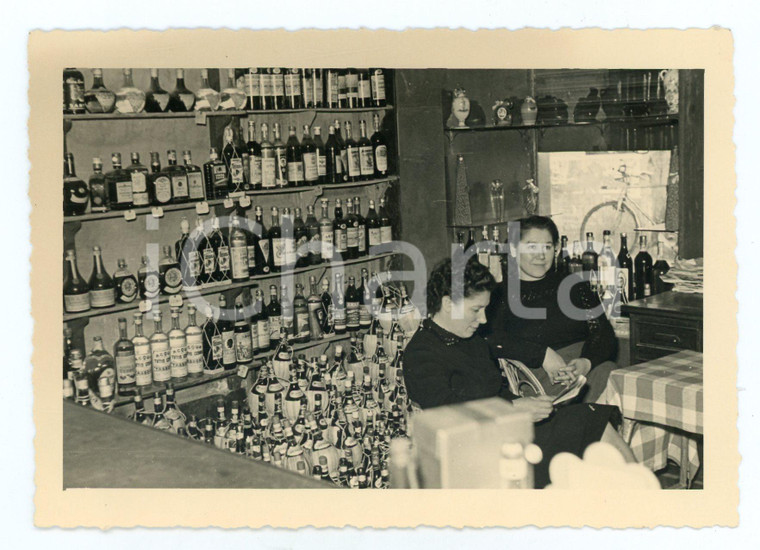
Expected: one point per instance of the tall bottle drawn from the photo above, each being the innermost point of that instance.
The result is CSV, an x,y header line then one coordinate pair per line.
x,y
160,351
139,176
238,252
301,237
366,153
352,231
254,157
309,157
377,80
177,348
343,151
660,268
293,95
125,283
339,306
221,246
148,281
607,264
340,231
281,158
207,97
642,265
314,307
301,327
227,330
159,182
352,155
262,322
379,148
169,273
319,152
129,98
386,229
156,98
269,160
196,187
119,184
624,272
274,313
331,89
215,176
181,100
76,295
102,292
365,297
562,265
590,260
294,156
264,261
288,313
365,93
312,236
98,191
233,160
353,303
232,97
213,346
276,243
326,234
374,236
333,158
207,255
99,99
143,354
278,88
251,82
327,307
75,192
194,338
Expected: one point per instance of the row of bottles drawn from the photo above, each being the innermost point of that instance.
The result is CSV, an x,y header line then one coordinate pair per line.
x,y
249,89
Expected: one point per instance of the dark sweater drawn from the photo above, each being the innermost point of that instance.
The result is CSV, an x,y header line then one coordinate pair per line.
x,y
526,340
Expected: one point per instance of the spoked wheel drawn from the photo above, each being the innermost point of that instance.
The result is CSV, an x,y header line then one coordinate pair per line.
x,y
605,216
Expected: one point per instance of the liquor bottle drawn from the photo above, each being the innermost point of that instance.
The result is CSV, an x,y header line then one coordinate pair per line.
x,y
379,148
262,322
374,230
194,340
139,176
484,247
274,313
576,264
607,264
102,292
642,268
342,90
331,89
311,225
159,182
590,261
207,255
148,282
333,158
238,252
326,235
563,259
315,310
495,257
160,351
213,345
308,87
243,341
143,355
250,82
339,306
377,79
365,298
254,158
364,99
294,156
227,330
156,98
98,194
264,260
269,160
119,184
340,232
353,304
252,247
76,296
195,185
207,98
278,88
288,313
276,243
289,239
624,274
73,92
177,348
178,178
215,176
343,151
75,192
293,96
79,378
99,99
218,241
301,326
129,98
169,274
68,347
232,98
366,154
386,230
281,159
352,88
660,268
320,161
181,100
352,155
100,369
266,86
301,238
310,158
352,231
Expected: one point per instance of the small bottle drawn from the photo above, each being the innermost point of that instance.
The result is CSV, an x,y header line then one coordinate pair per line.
x,y
169,274
195,184
178,178
100,365
76,292
119,185
194,338
126,366
232,156
98,194
181,100
156,98
102,292
207,97
143,354
215,176
160,351
243,340
148,282
99,99
159,182
139,176
177,348
129,98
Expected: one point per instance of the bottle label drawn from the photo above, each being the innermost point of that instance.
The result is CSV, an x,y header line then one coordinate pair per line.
x,y
194,265
195,186
326,237
179,186
289,251
239,260
352,236
352,314
332,88
275,324
386,235
163,189
267,85
621,281
321,165
172,280
362,238
278,85
264,247
194,353
365,316
292,85
281,168
161,356
295,172
381,158
278,251
209,260
139,189
236,172
254,169
124,192
102,298
268,172
228,350
300,248
262,328
302,325
310,169
252,84
354,164
251,256
219,177
188,100
151,285
126,289
340,238
74,303
125,368
223,258
243,347
364,89
378,86
178,356
143,364
217,347
367,164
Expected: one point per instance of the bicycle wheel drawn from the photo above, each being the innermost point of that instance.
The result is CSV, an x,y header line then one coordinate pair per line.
x,y
604,216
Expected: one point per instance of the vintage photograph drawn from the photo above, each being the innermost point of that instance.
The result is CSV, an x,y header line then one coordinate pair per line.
x,y
375,276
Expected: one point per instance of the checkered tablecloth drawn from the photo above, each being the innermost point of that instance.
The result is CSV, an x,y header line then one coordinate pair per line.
x,y
661,401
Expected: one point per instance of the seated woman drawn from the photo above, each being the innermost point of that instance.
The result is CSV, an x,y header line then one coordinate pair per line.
x,y
562,343
446,362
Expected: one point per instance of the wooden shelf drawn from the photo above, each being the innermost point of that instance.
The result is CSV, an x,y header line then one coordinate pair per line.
x,y
638,121
251,283
146,210
147,391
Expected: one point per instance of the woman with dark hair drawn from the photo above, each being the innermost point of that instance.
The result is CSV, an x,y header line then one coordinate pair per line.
x,y
554,323
446,362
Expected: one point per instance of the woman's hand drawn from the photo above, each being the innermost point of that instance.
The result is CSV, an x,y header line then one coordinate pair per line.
x,y
573,370
539,407
553,364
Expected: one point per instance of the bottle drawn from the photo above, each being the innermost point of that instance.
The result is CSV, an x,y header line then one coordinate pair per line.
x,y
238,252
124,354
312,236
365,93
207,255
75,192
139,176
129,99
169,274
215,176
660,268
102,292
353,303
294,156
590,261
100,369
195,185
576,264
264,263
227,330
98,193
220,244
386,230
624,274
159,182
310,158
379,149
319,155
76,293
340,232
365,300
352,231
302,329
642,268
352,155
326,235
563,259
119,185
252,247
194,341
281,159
250,79
148,282
143,355
315,310
293,96
278,88
352,88
333,158
73,92
484,247
331,89
288,313
181,100
262,322
342,90
301,238
268,160
274,313
310,80
213,346
254,158
99,99
177,348
243,341
343,151
207,98
374,230
339,306
79,378
495,256
178,177
607,264
377,80
276,243
160,351
366,154
156,98
232,98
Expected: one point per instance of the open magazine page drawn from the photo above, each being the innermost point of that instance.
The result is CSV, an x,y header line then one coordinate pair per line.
x,y
571,391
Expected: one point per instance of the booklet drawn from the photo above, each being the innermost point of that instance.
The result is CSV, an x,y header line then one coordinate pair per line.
x,y
571,391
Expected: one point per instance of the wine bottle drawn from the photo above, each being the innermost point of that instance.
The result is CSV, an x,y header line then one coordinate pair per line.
x,y
342,90
195,185
100,370
207,97
238,252
119,184
194,339
207,255
254,158
352,231
340,232
177,348
98,193
125,284
377,81
365,92
607,265
294,156
99,99
278,88
181,100
339,306
366,154
274,313
353,302
75,192
293,96
156,98
252,247
310,158
333,158
281,159
262,322
264,263
288,313
160,352
563,259
251,80
269,160
624,273
331,89
386,229
159,182
227,331
312,235
576,264
365,299
352,155
102,293
379,148
301,238
642,268
129,98
277,243
315,310
76,295
148,281
374,229
243,342
143,355
218,241
343,151
590,261
326,234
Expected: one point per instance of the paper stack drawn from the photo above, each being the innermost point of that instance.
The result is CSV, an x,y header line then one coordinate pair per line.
x,y
686,276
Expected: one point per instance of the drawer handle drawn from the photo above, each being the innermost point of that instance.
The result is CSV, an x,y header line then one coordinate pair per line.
x,y
669,338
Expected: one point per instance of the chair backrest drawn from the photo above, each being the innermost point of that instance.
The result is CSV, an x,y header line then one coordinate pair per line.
x,y
521,380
